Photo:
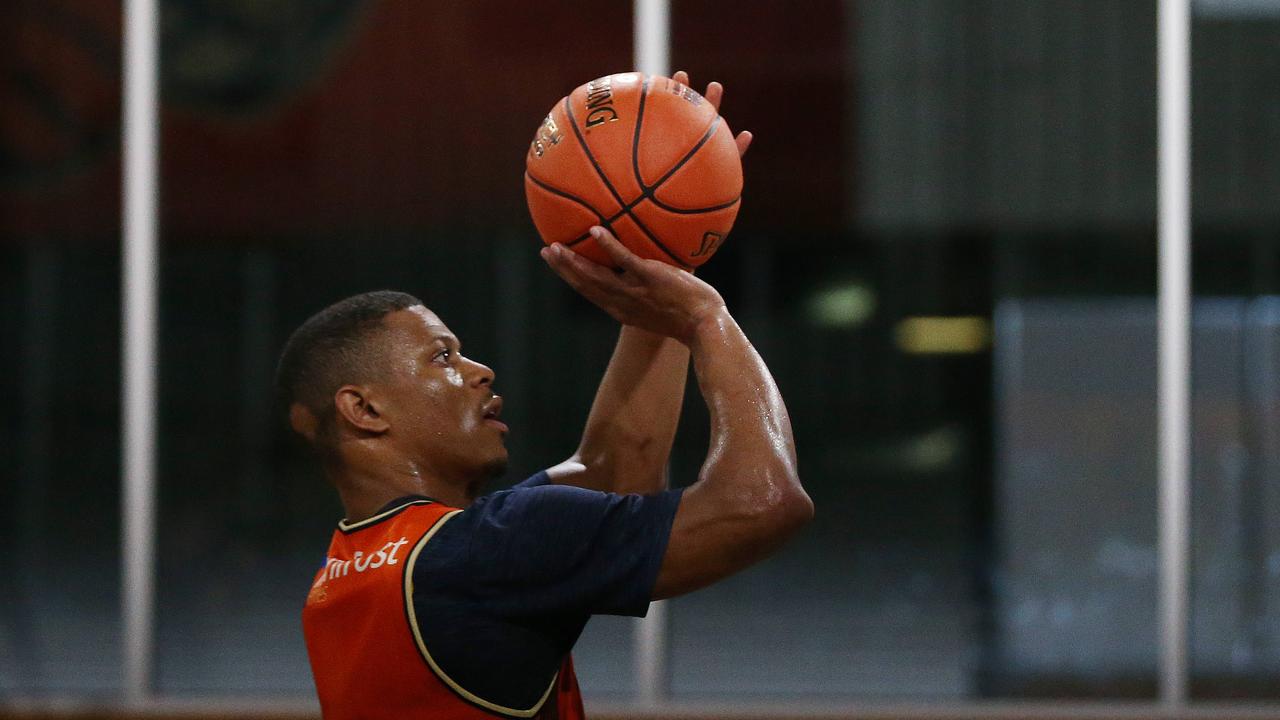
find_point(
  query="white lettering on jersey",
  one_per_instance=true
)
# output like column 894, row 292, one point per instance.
column 336, row 568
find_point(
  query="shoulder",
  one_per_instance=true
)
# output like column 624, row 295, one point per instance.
column 563, row 513
column 541, row 528
column 510, row 523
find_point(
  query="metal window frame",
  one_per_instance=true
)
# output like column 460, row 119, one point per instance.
column 651, row 46
column 139, row 329
column 1174, row 352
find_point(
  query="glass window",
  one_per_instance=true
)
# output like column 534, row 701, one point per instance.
column 1235, row 636
column 60, row 368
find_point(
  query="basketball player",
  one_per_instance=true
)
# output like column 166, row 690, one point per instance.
column 436, row 602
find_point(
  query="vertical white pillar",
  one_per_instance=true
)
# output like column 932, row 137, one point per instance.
column 652, row 48
column 138, row 339
column 650, row 657
column 1174, row 230
column 652, row 36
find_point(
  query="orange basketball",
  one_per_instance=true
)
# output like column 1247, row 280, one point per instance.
column 644, row 156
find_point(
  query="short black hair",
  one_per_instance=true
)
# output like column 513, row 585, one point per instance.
column 331, row 349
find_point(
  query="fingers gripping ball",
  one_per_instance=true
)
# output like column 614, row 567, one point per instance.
column 642, row 155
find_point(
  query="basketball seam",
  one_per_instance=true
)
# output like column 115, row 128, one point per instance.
column 573, row 123
column 568, row 196
column 646, row 190
column 710, row 132
column 655, row 241
column 695, row 211
column 682, row 211
column 627, row 212
column 635, row 141
column 606, row 222
column 557, row 191
column 650, row 191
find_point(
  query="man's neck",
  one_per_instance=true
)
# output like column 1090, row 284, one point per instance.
column 364, row 494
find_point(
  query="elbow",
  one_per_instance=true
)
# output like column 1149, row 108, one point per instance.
column 794, row 508
column 765, row 504
column 785, row 508
column 803, row 507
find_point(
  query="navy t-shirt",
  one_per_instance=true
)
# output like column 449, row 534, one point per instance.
column 505, row 587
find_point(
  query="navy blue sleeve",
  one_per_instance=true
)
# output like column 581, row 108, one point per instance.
column 545, row 549
column 539, row 478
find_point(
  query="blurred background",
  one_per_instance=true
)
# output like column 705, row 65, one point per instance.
column 946, row 253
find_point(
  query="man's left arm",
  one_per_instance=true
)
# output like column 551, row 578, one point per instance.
column 633, row 420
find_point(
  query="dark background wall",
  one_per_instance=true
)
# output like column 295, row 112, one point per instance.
column 913, row 158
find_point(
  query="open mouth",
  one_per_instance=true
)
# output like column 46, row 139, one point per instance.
column 494, row 408
column 492, row 411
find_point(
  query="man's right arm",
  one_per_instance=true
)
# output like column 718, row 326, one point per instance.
column 748, row 499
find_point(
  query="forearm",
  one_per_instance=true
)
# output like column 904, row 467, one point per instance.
column 752, row 455
column 748, row 499
column 628, row 436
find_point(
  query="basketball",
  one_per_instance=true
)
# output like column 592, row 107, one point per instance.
column 642, row 155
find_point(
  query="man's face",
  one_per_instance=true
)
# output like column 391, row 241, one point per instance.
column 440, row 404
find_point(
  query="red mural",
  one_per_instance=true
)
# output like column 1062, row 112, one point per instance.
column 59, row 119
column 396, row 114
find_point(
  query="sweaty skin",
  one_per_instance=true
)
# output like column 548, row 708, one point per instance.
column 748, row 499
column 419, row 427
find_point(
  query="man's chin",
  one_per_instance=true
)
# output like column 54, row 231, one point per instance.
column 491, row 471
column 496, row 468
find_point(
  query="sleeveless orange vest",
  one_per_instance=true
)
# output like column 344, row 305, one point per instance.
column 366, row 652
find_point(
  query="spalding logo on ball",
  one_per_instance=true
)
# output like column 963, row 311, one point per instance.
column 644, row 156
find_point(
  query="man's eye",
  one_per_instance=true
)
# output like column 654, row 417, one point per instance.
column 443, row 355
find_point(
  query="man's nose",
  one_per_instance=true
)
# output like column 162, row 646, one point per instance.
column 481, row 374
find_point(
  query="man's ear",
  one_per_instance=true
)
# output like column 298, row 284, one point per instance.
column 354, row 404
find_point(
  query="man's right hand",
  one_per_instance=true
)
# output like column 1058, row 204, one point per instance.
column 648, row 294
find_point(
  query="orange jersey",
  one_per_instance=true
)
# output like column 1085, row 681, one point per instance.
column 365, row 637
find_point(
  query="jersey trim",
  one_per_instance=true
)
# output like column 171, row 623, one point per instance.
column 347, row 527
column 412, row 615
